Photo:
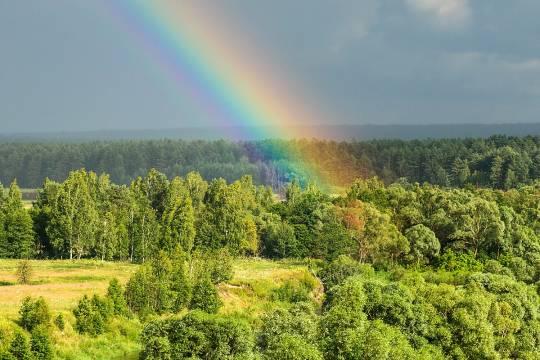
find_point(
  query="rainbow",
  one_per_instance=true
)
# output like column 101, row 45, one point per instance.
column 224, row 73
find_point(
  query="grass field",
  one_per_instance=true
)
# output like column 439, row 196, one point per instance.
column 62, row 283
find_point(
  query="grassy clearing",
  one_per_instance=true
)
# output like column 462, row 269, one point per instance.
column 62, row 283
column 250, row 291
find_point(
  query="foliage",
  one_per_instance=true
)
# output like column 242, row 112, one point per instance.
column 40, row 344
column 34, row 312
column 298, row 290
column 408, row 270
column 91, row 315
column 197, row 335
column 205, row 296
column 24, row 272
column 161, row 286
column 115, row 294
column 20, row 348
column 290, row 347
column 298, row 323
column 217, row 264
column 60, row 322
column 17, row 233
column 424, row 243
column 335, row 272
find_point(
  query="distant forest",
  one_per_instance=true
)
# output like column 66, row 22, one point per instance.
column 501, row 162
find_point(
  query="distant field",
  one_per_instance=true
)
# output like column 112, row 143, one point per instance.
column 60, row 282
column 63, row 282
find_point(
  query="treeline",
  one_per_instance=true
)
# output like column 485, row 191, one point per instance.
column 500, row 162
column 408, row 224
column 407, row 270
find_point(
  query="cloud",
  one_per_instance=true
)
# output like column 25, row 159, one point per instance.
column 445, row 14
column 356, row 20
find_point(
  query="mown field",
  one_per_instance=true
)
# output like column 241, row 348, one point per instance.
column 62, row 283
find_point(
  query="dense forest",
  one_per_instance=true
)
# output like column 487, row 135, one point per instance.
column 499, row 162
column 407, row 270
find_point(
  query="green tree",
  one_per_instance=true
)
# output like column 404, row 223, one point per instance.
column 24, row 272
column 423, row 242
column 18, row 227
column 197, row 188
column 197, row 335
column 180, row 284
column 74, row 217
column 460, row 171
column 19, row 348
column 479, row 226
column 34, row 312
column 107, row 237
column 291, row 347
column 205, row 296
column 144, row 222
column 115, row 294
column 278, row 240
column 496, row 172
column 88, row 317
column 178, row 220
column 40, row 344
column 224, row 222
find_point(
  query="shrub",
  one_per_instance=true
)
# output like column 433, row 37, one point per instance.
column 24, row 272
column 89, row 317
column 139, row 291
column 291, row 347
column 197, row 335
column 292, row 291
column 300, row 321
column 218, row 265
column 19, row 347
column 59, row 322
column 205, row 297
column 336, row 272
column 452, row 261
column 297, row 290
column 115, row 294
column 148, row 291
column 33, row 313
column 40, row 344
column 181, row 287
column 378, row 341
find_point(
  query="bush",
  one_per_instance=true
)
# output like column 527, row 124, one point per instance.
column 59, row 322
column 296, row 290
column 40, row 344
column 115, row 295
column 148, row 291
column 139, row 291
column 218, row 265
column 24, row 272
column 89, row 316
column 300, row 321
column 33, row 313
column 291, row 347
column 19, row 348
column 336, row 272
column 205, row 297
column 292, row 291
column 197, row 335
column 452, row 261
column 181, row 287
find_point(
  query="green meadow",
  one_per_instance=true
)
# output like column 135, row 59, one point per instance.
column 63, row 282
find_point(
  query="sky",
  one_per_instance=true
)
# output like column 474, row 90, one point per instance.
column 73, row 65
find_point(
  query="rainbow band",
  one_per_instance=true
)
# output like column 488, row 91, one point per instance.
column 203, row 53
